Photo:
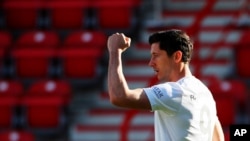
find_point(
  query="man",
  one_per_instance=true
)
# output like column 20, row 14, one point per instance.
column 184, row 107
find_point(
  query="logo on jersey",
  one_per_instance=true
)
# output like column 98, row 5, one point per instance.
column 192, row 97
column 157, row 92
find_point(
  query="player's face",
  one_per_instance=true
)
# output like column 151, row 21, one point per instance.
column 161, row 63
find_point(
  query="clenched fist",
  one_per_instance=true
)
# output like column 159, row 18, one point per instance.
column 118, row 41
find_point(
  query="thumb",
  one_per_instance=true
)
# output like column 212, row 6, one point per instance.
column 127, row 41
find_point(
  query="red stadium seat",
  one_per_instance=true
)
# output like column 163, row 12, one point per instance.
column 22, row 14
column 121, row 11
column 81, row 52
column 17, row 135
column 47, row 88
column 33, row 52
column 11, row 88
column 10, row 93
column 42, row 112
column 44, row 104
column 37, row 39
column 33, row 63
column 80, row 63
column 242, row 54
column 226, row 111
column 68, row 14
column 86, row 39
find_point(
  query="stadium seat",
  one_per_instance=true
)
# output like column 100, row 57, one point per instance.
column 81, row 53
column 122, row 12
column 10, row 94
column 68, row 14
column 17, row 135
column 86, row 39
column 226, row 112
column 37, row 39
column 44, row 104
column 22, row 14
column 51, row 87
column 242, row 54
column 42, row 113
column 230, row 97
column 80, row 63
column 33, row 53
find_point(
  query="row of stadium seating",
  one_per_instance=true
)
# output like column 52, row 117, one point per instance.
column 42, row 54
column 64, row 14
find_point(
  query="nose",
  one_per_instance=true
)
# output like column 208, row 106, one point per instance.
column 151, row 63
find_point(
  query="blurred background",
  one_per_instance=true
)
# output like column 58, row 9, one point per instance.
column 53, row 64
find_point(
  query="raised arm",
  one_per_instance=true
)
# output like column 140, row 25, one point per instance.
column 120, row 94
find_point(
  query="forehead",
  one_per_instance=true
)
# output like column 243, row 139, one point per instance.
column 155, row 47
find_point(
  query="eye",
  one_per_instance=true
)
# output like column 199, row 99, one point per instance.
column 155, row 55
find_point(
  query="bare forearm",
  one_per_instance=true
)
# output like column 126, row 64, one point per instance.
column 218, row 132
column 117, row 85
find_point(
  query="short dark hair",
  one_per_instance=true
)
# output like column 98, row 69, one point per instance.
column 173, row 40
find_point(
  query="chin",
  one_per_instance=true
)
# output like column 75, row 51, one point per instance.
column 160, row 79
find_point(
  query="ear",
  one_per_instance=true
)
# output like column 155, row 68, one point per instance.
column 177, row 56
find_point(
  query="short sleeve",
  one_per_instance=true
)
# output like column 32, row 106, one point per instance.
column 166, row 97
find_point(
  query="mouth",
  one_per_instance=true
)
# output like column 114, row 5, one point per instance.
column 156, row 71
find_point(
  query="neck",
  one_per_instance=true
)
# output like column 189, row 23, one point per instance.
column 183, row 71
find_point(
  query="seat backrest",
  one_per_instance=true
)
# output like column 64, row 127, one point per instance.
column 106, row 8
column 80, row 63
column 22, row 14
column 66, row 14
column 242, row 54
column 11, row 88
column 14, row 135
column 81, row 53
column 86, row 39
column 47, row 88
column 226, row 111
column 33, row 52
column 44, row 104
column 33, row 63
column 38, row 39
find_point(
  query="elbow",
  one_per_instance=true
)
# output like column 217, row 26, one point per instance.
column 116, row 101
column 113, row 101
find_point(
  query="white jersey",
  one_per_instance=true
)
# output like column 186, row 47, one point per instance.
column 184, row 110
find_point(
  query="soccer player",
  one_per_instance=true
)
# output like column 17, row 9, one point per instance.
column 184, row 108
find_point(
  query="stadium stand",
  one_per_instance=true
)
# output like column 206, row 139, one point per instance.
column 66, row 41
